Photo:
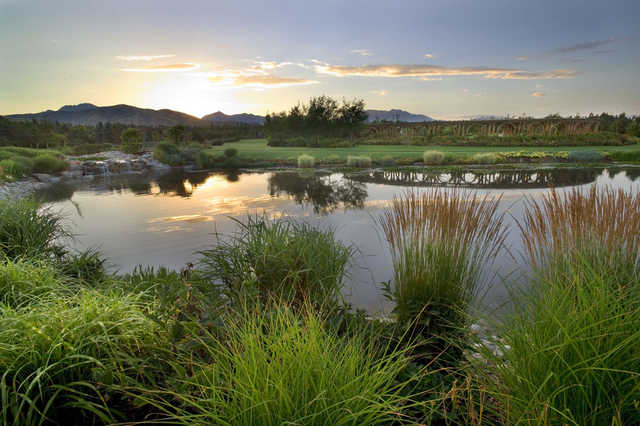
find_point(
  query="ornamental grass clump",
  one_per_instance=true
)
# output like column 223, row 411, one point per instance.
column 281, row 258
column 440, row 242
column 358, row 161
column 433, row 157
column 285, row 366
column 571, row 343
column 306, row 161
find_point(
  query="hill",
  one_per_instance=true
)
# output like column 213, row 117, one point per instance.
column 396, row 115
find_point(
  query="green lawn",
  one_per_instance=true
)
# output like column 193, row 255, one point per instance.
column 257, row 150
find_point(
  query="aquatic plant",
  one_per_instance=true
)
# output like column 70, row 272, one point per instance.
column 280, row 258
column 306, row 161
column 440, row 242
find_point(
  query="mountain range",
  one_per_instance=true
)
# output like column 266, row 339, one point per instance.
column 89, row 115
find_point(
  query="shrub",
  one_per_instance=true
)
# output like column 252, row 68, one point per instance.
column 485, row 158
column 27, row 231
column 168, row 153
column 230, row 152
column 306, row 161
column 282, row 259
column 205, row 160
column 57, row 357
column 278, row 367
column 586, row 156
column 358, row 161
column 132, row 139
column 440, row 242
column 48, row 163
column 433, row 157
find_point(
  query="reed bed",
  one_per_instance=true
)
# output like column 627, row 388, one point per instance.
column 440, row 242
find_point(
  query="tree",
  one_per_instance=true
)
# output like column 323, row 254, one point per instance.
column 132, row 140
column 176, row 134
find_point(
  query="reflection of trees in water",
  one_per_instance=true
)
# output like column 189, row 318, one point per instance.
column 324, row 193
column 632, row 174
column 483, row 178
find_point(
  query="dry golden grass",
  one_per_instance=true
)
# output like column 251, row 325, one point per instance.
column 600, row 221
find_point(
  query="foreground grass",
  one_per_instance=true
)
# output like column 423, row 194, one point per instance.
column 257, row 151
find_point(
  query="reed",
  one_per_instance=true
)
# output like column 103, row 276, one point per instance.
column 440, row 241
column 601, row 223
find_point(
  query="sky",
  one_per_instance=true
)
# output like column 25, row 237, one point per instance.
column 448, row 59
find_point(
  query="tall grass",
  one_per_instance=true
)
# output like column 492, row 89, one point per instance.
column 281, row 258
column 572, row 343
column 57, row 358
column 25, row 282
column 358, row 161
column 282, row 367
column 27, row 230
column 433, row 157
column 440, row 241
column 306, row 161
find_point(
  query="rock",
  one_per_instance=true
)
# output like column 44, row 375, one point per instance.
column 94, row 168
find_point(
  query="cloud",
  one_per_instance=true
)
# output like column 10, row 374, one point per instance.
column 538, row 94
column 430, row 71
column 187, row 66
column 428, row 56
column 379, row 92
column 272, row 65
column 521, row 58
column 258, row 81
column 144, row 57
column 587, row 45
column 361, row 52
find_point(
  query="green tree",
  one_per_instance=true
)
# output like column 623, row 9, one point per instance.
column 176, row 134
column 132, row 139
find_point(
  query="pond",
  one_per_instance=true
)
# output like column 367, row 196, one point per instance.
column 165, row 218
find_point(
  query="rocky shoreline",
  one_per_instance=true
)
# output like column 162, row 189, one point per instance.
column 80, row 167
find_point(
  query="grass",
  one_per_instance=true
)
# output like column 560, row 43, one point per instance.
column 358, row 161
column 281, row 367
column 18, row 162
column 27, row 231
column 433, row 157
column 281, row 258
column 256, row 152
column 306, row 161
column 440, row 241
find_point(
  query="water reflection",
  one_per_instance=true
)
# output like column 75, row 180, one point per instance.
column 324, row 192
column 490, row 179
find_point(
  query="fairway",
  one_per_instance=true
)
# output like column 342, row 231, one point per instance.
column 258, row 150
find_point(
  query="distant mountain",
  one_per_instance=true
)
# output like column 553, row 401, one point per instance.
column 89, row 114
column 396, row 115
column 222, row 118
column 483, row 117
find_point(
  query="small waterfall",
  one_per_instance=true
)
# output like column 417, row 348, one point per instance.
column 105, row 168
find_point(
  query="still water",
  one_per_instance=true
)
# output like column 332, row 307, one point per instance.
column 164, row 219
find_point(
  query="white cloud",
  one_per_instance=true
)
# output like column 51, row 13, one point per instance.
column 187, row 66
column 361, row 52
column 144, row 57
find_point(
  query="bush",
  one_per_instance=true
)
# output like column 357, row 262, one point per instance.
column 27, row 231
column 278, row 367
column 433, row 157
column 48, row 163
column 586, row 156
column 306, row 161
column 204, row 160
column 282, row 259
column 168, row 153
column 358, row 161
column 485, row 158
column 230, row 152
column 132, row 139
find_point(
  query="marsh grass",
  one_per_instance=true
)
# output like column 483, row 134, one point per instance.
column 25, row 282
column 283, row 366
column 358, row 161
column 280, row 258
column 440, row 241
column 28, row 231
column 433, row 157
column 306, row 161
